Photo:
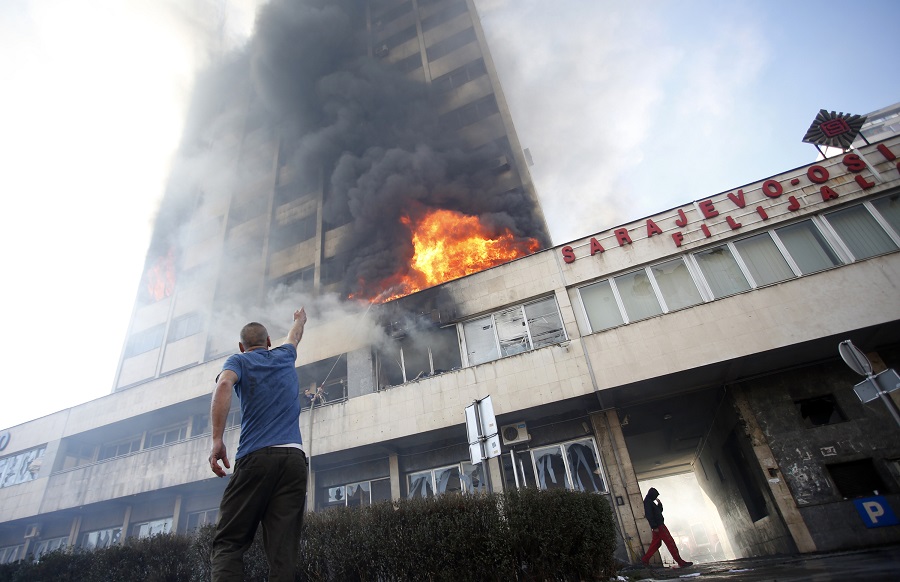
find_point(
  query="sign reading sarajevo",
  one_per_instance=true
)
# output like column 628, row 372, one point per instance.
column 818, row 175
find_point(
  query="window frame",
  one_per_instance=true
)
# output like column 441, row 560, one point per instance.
column 466, row 488
column 570, row 482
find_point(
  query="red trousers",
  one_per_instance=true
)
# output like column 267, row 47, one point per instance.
column 660, row 535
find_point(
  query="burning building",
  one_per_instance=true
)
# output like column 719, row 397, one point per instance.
column 701, row 340
column 361, row 149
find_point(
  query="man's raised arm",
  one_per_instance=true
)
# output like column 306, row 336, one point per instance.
column 296, row 334
column 218, row 415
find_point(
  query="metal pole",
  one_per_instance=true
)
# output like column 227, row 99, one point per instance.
column 891, row 406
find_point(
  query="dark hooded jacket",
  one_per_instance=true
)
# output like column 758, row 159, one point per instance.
column 653, row 508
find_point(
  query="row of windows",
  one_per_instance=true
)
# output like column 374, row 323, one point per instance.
column 855, row 233
column 573, row 465
column 21, row 467
column 450, row 44
column 459, row 77
column 470, row 113
column 151, row 339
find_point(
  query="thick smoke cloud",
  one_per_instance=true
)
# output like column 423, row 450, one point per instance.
column 310, row 86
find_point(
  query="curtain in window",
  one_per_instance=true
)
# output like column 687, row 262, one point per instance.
column 544, row 323
column 512, row 331
column 807, row 247
column 889, row 209
column 551, row 468
column 721, row 272
column 676, row 284
column 584, row 466
column 860, row 232
column 766, row 263
column 600, row 305
column 637, row 295
column 480, row 343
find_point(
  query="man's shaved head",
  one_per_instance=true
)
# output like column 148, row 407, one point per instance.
column 254, row 335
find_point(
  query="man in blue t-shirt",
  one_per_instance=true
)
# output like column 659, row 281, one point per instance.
column 268, row 485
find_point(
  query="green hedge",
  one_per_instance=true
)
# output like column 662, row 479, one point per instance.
column 520, row 535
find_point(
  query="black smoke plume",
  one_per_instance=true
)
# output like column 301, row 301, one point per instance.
column 342, row 118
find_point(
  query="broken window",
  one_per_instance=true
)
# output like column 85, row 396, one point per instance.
column 574, row 465
column 459, row 478
column 513, row 330
column 856, row 478
column 50, row 545
column 820, row 411
column 417, row 353
column 21, row 467
column 198, row 519
column 323, row 382
column 152, row 528
column 10, row 554
column 360, row 494
column 100, row 539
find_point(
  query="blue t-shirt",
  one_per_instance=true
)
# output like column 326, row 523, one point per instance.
column 270, row 397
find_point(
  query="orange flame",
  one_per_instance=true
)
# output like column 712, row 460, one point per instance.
column 160, row 278
column 448, row 245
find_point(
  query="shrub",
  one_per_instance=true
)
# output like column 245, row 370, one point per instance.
column 525, row 535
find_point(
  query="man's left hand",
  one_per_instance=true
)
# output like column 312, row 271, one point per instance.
column 219, row 453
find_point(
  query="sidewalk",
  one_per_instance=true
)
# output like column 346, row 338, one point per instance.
column 874, row 564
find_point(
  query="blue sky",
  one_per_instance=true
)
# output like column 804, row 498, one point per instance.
column 628, row 108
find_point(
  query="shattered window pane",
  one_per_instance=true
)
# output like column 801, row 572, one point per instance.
column 447, row 480
column 544, row 323
column 359, row 494
column 480, row 342
column 103, row 538
column 415, row 358
column 420, row 485
column 585, row 467
column 445, row 350
column 51, row 545
column 473, row 478
column 512, row 332
column 550, row 468
column 152, row 528
column 21, row 467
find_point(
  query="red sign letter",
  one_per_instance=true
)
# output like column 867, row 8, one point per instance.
column 817, row 174
column 762, row 213
column 772, row 188
column 733, row 223
column 863, row 183
column 568, row 254
column 652, row 228
column 622, row 236
column 854, row 163
column 705, row 230
column 827, row 193
column 681, row 221
column 794, row 203
column 738, row 199
column 596, row 247
column 677, row 237
column 707, row 208
column 888, row 154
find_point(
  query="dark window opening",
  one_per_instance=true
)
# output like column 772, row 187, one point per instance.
column 417, row 354
column 410, row 63
column 856, row 478
column 459, row 77
column 820, row 411
column 301, row 280
column 323, row 382
column 469, row 114
column 144, row 341
column 185, row 326
column 293, row 233
column 444, row 14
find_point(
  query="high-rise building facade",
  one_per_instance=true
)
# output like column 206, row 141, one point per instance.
column 302, row 157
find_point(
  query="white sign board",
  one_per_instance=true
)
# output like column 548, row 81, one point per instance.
column 481, row 428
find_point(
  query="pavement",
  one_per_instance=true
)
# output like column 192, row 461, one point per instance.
column 872, row 564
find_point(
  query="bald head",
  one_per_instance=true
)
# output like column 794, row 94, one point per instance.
column 254, row 335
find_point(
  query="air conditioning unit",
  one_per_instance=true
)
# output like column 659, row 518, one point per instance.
column 32, row 531
column 514, row 433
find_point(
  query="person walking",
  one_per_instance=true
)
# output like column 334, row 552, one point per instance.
column 268, row 485
column 653, row 511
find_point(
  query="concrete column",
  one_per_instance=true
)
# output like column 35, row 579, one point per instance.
column 495, row 474
column 395, row 476
column 74, row 531
column 176, row 514
column 787, row 506
column 622, row 482
column 125, row 525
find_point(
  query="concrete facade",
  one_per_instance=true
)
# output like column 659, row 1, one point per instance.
column 741, row 387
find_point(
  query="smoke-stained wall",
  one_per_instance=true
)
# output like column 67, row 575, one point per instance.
column 306, row 156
